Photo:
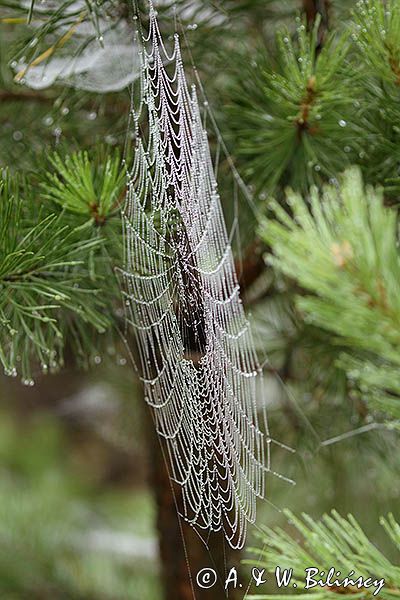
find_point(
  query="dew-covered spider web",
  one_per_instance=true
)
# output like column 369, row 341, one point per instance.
column 196, row 352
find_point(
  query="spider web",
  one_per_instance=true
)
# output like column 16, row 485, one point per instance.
column 197, row 358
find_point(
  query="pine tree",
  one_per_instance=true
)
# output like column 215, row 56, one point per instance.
column 307, row 97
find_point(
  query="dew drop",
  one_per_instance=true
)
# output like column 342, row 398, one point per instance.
column 342, row 123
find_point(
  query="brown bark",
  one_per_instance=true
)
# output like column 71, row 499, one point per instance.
column 312, row 8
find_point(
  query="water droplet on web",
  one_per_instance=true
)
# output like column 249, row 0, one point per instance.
column 48, row 120
column 64, row 110
column 18, row 135
column 192, row 26
column 97, row 360
column 317, row 168
column 33, row 42
column 92, row 116
column 342, row 123
column 347, row 149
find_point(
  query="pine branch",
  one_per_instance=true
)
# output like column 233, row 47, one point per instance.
column 295, row 123
column 52, row 273
column 330, row 542
column 343, row 252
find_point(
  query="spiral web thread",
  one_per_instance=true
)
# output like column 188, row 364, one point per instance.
column 197, row 358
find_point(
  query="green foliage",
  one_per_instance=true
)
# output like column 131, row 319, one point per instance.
column 330, row 542
column 299, row 126
column 86, row 187
column 301, row 113
column 51, row 274
column 344, row 251
column 50, row 513
column 43, row 283
column 376, row 33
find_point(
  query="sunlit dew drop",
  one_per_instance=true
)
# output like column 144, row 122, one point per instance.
column 317, row 168
column 17, row 136
column 286, row 40
column 64, row 110
column 28, row 382
column 342, row 123
column 92, row 116
column 193, row 26
column 122, row 361
column 300, row 60
column 57, row 131
column 97, row 360
column 48, row 120
column 347, row 149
